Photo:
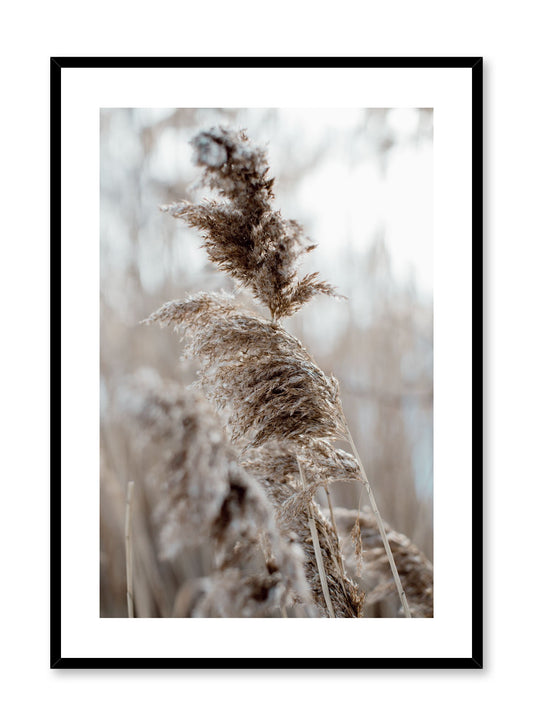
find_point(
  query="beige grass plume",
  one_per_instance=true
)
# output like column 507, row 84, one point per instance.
column 254, row 369
column 291, row 475
column 274, row 393
column 208, row 498
column 266, row 383
column 244, row 235
column 414, row 568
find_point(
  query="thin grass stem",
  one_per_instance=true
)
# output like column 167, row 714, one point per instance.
column 320, row 563
column 129, row 552
column 318, row 554
column 381, row 527
column 332, row 516
column 333, row 523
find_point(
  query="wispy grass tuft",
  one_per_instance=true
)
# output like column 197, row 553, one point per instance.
column 207, row 497
column 369, row 564
column 244, row 235
column 255, row 370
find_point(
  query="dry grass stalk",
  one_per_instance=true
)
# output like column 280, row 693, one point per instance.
column 262, row 378
column 414, row 568
column 318, row 552
column 129, row 551
column 331, row 512
column 244, row 235
column 320, row 564
column 207, row 497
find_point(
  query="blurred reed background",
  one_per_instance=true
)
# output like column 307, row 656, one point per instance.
column 360, row 183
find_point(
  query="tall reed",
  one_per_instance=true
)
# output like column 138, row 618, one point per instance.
column 284, row 414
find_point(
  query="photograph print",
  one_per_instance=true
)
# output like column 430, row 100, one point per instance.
column 266, row 363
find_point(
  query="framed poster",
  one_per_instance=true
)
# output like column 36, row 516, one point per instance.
column 307, row 449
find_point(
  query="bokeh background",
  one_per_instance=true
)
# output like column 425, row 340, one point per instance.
column 360, row 182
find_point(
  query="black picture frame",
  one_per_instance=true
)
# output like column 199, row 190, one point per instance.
column 57, row 660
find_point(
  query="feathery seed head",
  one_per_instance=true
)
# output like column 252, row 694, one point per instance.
column 206, row 497
column 257, row 371
column 244, row 236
